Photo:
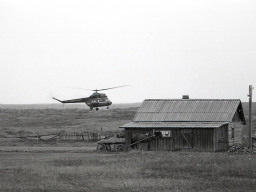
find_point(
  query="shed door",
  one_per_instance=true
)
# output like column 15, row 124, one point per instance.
column 183, row 139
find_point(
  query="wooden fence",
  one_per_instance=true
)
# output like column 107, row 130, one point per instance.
column 79, row 136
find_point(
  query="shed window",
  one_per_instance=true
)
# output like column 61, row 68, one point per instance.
column 166, row 133
column 163, row 133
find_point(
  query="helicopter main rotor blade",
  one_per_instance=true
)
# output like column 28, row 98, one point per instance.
column 79, row 88
column 110, row 88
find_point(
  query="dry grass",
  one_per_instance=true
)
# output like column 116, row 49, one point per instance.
column 33, row 120
column 132, row 171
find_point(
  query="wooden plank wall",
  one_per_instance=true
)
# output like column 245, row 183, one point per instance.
column 203, row 139
column 221, row 138
column 199, row 139
column 238, row 130
column 238, row 133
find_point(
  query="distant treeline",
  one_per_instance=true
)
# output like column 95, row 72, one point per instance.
column 66, row 106
column 246, row 108
column 83, row 106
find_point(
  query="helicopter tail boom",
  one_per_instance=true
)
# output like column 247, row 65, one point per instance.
column 80, row 100
column 57, row 100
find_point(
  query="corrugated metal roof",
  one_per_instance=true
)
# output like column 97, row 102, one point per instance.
column 192, row 110
column 173, row 125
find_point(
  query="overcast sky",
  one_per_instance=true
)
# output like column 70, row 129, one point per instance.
column 163, row 49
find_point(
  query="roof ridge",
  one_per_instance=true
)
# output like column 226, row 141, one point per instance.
column 192, row 100
column 173, row 122
column 137, row 121
column 182, row 112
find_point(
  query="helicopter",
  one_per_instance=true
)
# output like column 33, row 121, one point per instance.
column 95, row 100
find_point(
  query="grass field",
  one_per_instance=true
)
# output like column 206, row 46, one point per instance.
column 27, row 165
column 20, row 122
column 132, row 171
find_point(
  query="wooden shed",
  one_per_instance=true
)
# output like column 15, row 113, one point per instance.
column 188, row 124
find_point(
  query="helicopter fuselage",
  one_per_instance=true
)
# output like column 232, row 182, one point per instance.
column 98, row 100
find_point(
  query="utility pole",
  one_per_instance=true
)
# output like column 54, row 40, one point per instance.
column 250, row 118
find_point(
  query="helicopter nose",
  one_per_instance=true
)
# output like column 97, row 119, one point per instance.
column 109, row 103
